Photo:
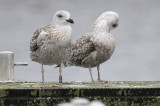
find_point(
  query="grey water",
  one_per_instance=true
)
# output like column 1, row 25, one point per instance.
column 137, row 53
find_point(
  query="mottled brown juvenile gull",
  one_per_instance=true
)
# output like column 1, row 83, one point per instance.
column 95, row 47
column 52, row 44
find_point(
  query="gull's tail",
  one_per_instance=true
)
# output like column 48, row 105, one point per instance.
column 64, row 64
column 58, row 65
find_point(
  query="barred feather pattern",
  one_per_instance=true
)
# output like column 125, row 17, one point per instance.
column 91, row 51
column 95, row 47
column 51, row 45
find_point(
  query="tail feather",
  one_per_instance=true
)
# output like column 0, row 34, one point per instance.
column 58, row 65
column 65, row 64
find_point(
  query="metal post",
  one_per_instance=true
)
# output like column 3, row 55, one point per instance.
column 7, row 66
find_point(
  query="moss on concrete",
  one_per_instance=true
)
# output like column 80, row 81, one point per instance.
column 3, row 93
column 45, row 92
column 2, row 103
column 34, row 92
column 112, row 93
column 53, row 85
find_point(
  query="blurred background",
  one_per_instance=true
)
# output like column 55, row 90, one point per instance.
column 137, row 53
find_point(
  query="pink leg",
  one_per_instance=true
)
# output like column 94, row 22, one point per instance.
column 60, row 78
column 99, row 79
column 42, row 71
column 98, row 73
column 90, row 70
column 60, row 75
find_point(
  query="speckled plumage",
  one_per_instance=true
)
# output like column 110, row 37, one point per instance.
column 96, row 47
column 52, row 44
column 91, row 51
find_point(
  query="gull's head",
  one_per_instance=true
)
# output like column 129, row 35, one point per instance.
column 65, row 104
column 108, row 20
column 112, row 19
column 96, row 103
column 80, row 102
column 62, row 18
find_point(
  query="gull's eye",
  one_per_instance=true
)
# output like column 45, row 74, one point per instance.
column 60, row 16
column 114, row 25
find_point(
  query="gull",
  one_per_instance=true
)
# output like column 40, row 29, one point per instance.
column 97, row 46
column 96, row 103
column 76, row 102
column 51, row 44
column 80, row 102
column 65, row 104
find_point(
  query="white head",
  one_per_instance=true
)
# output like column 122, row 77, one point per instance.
column 107, row 21
column 62, row 18
column 96, row 103
column 80, row 102
column 65, row 104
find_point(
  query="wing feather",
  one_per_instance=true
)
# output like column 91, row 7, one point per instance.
column 82, row 48
column 34, row 41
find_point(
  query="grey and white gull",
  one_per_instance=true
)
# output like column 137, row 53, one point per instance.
column 51, row 44
column 76, row 102
column 96, row 103
column 97, row 46
column 82, row 102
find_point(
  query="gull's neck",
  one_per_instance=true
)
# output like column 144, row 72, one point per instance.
column 100, row 26
column 59, row 24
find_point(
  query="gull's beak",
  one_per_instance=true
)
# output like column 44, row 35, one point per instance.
column 70, row 21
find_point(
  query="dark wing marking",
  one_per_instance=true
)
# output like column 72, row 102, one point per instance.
column 33, row 43
column 82, row 48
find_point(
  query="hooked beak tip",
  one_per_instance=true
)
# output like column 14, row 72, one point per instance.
column 70, row 21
